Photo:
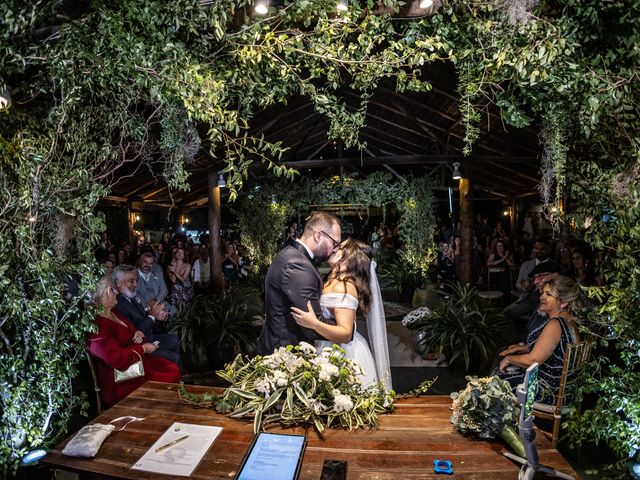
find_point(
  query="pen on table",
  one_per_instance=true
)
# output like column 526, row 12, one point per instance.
column 171, row 444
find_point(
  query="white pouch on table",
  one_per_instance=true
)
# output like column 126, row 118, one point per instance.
column 90, row 438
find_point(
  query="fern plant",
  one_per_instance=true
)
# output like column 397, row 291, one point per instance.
column 219, row 321
column 463, row 325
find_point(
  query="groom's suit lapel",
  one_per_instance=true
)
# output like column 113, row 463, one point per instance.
column 298, row 246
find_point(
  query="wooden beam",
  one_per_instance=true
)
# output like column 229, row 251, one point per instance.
column 394, row 160
column 140, row 187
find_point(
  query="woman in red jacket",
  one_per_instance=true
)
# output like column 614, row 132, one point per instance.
column 117, row 345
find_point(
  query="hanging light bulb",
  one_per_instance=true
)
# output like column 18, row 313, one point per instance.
column 273, row 199
column 262, row 7
column 342, row 5
column 221, row 181
column 456, row 171
column 426, row 3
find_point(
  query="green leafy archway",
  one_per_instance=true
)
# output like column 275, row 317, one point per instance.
column 262, row 214
column 107, row 85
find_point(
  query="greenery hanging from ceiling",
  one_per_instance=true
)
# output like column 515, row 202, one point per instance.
column 139, row 87
column 262, row 214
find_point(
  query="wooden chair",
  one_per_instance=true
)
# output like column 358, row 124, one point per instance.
column 96, row 384
column 575, row 357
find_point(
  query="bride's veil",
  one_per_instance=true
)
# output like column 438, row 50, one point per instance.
column 377, row 327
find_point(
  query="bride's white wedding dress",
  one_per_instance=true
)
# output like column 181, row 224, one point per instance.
column 357, row 349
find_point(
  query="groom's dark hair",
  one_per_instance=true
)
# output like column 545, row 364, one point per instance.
column 320, row 220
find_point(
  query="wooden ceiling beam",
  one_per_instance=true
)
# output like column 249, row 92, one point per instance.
column 397, row 160
column 388, row 91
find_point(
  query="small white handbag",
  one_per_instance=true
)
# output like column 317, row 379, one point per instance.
column 135, row 370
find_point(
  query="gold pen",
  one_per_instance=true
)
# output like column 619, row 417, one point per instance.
column 171, row 444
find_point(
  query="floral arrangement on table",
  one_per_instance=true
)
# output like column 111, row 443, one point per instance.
column 487, row 407
column 296, row 385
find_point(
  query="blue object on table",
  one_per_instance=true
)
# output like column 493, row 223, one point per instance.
column 443, row 466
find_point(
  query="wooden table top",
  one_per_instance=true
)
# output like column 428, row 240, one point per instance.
column 403, row 447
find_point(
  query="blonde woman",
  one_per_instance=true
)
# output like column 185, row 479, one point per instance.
column 118, row 344
column 547, row 340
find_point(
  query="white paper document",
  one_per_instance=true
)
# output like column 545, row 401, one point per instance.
column 179, row 450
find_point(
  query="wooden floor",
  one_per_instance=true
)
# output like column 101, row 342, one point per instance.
column 403, row 447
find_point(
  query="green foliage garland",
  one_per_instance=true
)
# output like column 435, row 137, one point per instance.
column 142, row 84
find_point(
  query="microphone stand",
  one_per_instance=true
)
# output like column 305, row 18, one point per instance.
column 530, row 465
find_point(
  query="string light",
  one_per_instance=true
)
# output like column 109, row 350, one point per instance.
column 426, row 3
column 262, row 7
column 342, row 5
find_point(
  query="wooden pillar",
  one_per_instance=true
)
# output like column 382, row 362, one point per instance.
column 213, row 214
column 513, row 219
column 130, row 221
column 465, row 269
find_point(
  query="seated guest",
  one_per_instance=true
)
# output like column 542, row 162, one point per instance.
column 541, row 252
column 201, row 272
column 529, row 300
column 151, row 285
column 149, row 322
column 547, row 340
column 118, row 344
column 582, row 270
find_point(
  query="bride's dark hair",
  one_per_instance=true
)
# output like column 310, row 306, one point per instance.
column 356, row 258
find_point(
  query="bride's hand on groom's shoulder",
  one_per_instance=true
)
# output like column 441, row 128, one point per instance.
column 303, row 318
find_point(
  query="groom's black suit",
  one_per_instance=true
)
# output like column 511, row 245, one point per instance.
column 292, row 280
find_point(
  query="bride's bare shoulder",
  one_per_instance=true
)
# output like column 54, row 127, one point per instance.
column 337, row 285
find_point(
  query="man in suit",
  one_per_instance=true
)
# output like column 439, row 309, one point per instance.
column 151, row 285
column 292, row 280
column 129, row 304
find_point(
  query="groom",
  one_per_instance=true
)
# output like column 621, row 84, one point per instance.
column 292, row 280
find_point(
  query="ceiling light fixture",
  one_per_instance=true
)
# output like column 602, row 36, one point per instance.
column 262, row 7
column 456, row 171
column 426, row 3
column 221, row 181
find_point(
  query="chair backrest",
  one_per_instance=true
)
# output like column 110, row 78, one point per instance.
column 96, row 384
column 575, row 358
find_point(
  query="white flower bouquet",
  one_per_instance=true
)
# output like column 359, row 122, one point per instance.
column 296, row 385
column 487, row 407
column 415, row 316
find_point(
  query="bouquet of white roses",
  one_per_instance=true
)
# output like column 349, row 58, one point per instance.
column 296, row 385
column 487, row 407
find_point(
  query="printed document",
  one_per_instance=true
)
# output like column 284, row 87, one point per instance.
column 179, row 450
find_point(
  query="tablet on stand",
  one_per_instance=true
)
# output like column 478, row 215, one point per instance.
column 526, row 393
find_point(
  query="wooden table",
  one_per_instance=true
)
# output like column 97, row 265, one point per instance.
column 403, row 447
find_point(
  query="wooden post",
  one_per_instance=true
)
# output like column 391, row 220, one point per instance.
column 213, row 214
column 130, row 220
column 513, row 219
column 465, row 266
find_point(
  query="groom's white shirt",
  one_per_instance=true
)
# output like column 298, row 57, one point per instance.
column 306, row 248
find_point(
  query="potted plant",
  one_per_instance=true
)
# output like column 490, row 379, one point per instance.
column 462, row 325
column 214, row 328
column 403, row 278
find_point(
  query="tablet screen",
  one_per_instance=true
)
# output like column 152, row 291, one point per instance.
column 531, row 388
column 273, row 456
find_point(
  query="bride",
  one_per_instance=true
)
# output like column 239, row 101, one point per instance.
column 352, row 284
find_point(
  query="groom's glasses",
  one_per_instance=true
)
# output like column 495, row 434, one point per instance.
column 335, row 244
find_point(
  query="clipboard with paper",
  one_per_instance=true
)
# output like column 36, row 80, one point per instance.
column 179, row 450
